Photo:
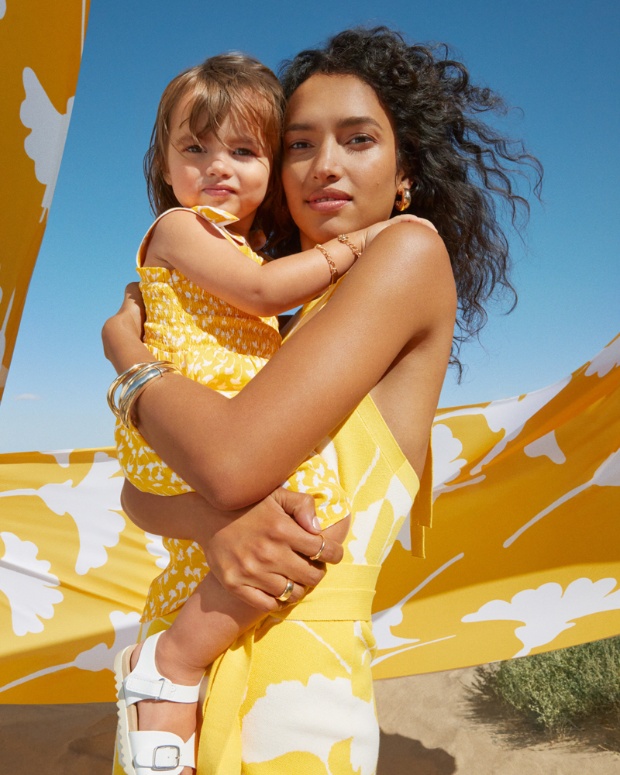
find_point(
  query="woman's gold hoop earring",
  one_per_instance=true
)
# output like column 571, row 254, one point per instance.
column 403, row 199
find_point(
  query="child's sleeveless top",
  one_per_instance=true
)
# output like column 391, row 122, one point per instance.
column 210, row 340
column 223, row 347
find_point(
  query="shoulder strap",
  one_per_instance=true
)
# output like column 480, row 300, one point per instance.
column 216, row 217
column 423, row 506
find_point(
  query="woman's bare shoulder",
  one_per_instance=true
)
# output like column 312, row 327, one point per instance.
column 418, row 294
column 411, row 250
column 407, row 268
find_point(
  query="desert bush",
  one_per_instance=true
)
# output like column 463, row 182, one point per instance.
column 556, row 691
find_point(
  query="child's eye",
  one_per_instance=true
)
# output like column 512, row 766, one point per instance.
column 244, row 152
column 194, row 148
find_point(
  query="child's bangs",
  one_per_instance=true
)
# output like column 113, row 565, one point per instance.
column 250, row 113
column 209, row 108
column 256, row 119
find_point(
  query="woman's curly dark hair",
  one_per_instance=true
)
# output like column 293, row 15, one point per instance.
column 461, row 168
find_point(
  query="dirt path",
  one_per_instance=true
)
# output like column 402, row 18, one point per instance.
column 429, row 727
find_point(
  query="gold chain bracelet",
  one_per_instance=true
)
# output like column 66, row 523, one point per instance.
column 344, row 238
column 333, row 269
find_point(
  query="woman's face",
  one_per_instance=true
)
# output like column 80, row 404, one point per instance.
column 339, row 168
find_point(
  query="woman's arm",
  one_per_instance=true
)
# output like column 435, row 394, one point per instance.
column 399, row 297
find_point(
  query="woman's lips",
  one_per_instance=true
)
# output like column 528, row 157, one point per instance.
column 328, row 200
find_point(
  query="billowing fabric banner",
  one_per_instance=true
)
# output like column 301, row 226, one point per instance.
column 524, row 553
column 522, row 557
column 40, row 50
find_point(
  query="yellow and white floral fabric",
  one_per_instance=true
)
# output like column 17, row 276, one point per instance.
column 522, row 558
column 40, row 50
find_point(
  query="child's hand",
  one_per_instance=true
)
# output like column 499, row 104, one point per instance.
column 257, row 239
column 123, row 332
column 367, row 235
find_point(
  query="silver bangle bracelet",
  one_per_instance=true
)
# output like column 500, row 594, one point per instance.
column 131, row 384
column 120, row 380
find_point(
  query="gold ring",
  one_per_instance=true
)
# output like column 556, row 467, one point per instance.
column 320, row 552
column 288, row 591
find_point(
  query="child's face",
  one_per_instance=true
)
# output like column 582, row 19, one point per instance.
column 231, row 172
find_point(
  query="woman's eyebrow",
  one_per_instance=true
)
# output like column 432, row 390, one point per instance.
column 357, row 120
column 344, row 123
column 298, row 127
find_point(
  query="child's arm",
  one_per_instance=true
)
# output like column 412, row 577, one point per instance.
column 187, row 242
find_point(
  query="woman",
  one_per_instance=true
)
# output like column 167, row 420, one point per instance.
column 372, row 124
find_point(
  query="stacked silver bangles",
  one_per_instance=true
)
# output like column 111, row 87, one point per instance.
column 131, row 383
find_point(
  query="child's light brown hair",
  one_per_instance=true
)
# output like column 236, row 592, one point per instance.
column 234, row 85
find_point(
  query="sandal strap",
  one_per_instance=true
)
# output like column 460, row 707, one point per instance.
column 161, row 752
column 145, row 682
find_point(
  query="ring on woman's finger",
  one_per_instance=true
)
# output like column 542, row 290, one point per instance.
column 288, row 591
column 317, row 556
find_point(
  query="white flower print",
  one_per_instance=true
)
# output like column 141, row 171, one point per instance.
column 295, row 708
column 549, row 610
column 101, row 657
column 606, row 360
column 606, row 475
column 93, row 504
column 447, row 465
column 28, row 585
column 45, row 144
column 509, row 415
column 546, row 446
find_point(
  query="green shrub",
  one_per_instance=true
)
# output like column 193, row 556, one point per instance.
column 556, row 691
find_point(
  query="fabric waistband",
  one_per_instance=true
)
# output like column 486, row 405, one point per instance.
column 345, row 594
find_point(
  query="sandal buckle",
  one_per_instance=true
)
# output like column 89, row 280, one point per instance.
column 166, row 758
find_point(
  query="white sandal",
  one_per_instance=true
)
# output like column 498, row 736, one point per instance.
column 143, row 752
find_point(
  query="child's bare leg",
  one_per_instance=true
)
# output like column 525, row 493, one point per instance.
column 205, row 627
column 208, row 623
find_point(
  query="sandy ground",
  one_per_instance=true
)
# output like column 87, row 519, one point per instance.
column 431, row 725
column 434, row 725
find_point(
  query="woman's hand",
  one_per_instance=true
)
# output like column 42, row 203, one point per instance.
column 252, row 551
column 254, row 555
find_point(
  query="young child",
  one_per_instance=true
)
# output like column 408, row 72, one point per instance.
column 212, row 177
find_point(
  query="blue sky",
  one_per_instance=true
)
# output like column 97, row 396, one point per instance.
column 557, row 61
